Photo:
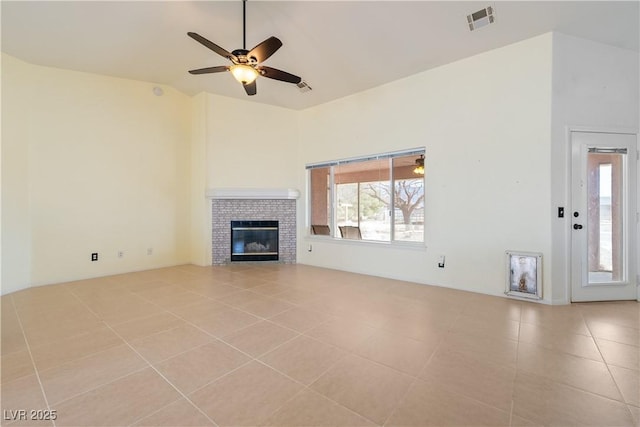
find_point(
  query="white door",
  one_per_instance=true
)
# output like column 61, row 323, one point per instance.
column 603, row 216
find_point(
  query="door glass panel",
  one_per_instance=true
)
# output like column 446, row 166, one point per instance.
column 605, row 217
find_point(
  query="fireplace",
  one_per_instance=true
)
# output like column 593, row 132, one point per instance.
column 254, row 241
column 251, row 204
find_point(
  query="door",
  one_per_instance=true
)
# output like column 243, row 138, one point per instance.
column 603, row 216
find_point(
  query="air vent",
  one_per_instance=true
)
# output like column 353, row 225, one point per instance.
column 481, row 18
column 304, row 87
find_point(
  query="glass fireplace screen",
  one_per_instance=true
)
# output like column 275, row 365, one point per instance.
column 254, row 240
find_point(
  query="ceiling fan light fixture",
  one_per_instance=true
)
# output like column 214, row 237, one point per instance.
column 419, row 169
column 244, row 74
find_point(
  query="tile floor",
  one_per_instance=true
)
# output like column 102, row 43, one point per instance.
column 296, row 345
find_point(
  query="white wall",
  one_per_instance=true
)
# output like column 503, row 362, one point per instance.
column 94, row 164
column 594, row 86
column 16, row 230
column 485, row 124
column 250, row 145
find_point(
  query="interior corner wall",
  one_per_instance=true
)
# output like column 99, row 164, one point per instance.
column 16, row 231
column 485, row 124
column 200, row 226
column 250, row 145
column 595, row 86
column 95, row 164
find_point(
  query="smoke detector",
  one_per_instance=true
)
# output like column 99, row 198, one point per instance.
column 481, row 18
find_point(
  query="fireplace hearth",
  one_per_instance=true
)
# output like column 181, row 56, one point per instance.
column 254, row 241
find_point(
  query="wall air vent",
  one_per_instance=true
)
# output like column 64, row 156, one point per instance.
column 481, row 18
column 304, row 87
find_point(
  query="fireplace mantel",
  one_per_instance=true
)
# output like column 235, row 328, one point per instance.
column 252, row 193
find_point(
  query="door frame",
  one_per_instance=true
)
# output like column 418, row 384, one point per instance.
column 569, row 198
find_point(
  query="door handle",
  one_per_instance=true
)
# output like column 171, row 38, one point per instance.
column 577, row 227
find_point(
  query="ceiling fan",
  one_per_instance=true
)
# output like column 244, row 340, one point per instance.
column 246, row 63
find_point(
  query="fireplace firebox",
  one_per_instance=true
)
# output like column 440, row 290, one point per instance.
column 254, row 240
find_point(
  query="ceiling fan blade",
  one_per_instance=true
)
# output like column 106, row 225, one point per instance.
column 211, row 45
column 218, row 69
column 251, row 88
column 276, row 74
column 265, row 49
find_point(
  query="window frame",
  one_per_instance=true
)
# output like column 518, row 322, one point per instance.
column 332, row 198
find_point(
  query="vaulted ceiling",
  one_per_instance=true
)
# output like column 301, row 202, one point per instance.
column 337, row 47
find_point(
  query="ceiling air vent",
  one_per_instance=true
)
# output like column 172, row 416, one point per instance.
column 304, row 86
column 481, row 18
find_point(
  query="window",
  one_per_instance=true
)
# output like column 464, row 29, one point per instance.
column 376, row 198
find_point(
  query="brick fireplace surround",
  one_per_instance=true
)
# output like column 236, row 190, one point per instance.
column 253, row 204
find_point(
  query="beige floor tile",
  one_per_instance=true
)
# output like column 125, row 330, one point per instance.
column 428, row 405
column 53, row 354
column 628, row 381
column 626, row 356
column 158, row 292
column 65, row 381
column 173, row 314
column 34, row 316
column 164, row 345
column 340, row 332
column 271, row 288
column 125, row 310
column 463, row 374
column 621, row 313
column 428, row 330
column 246, row 397
column 145, row 326
column 41, row 296
column 201, row 365
column 370, row 389
column 613, row 332
column 493, row 327
column 55, row 330
column 299, row 319
column 11, row 336
column 259, row 338
column 492, row 309
column 216, row 291
column 578, row 372
column 297, row 296
column 180, row 413
column 22, row 393
column 544, row 401
column 225, row 322
column 576, row 344
column 303, row 359
column 247, row 281
column 311, row 409
column 256, row 304
column 401, row 353
column 203, row 308
column 517, row 421
column 118, row 403
column 179, row 300
column 15, row 365
column 635, row 413
column 560, row 318
column 489, row 349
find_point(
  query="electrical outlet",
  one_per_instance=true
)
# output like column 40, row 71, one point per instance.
column 120, row 254
column 94, row 256
column 149, row 251
column 441, row 261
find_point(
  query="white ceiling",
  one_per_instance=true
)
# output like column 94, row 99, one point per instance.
column 338, row 47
